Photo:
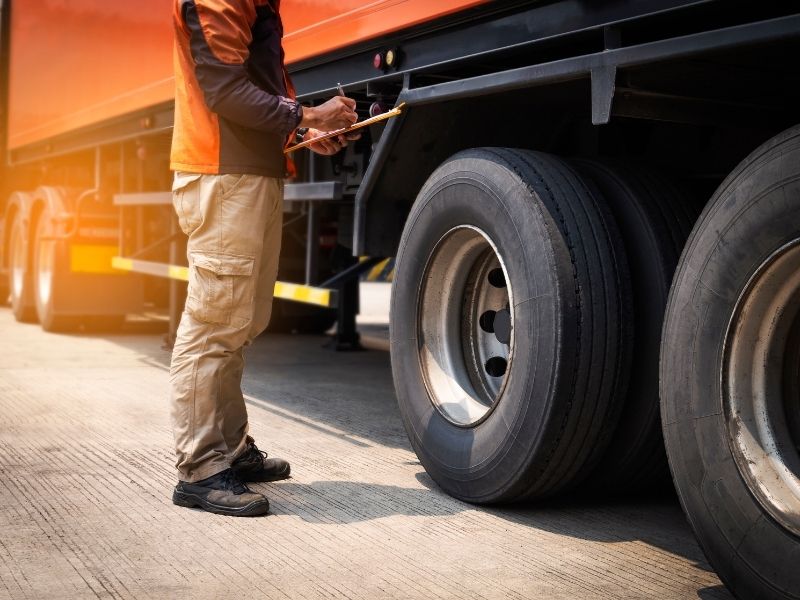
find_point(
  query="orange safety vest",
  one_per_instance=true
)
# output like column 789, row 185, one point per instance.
column 235, row 104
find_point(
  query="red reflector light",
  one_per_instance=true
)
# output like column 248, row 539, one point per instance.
column 376, row 109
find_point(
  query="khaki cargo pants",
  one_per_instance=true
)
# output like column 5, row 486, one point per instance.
column 234, row 228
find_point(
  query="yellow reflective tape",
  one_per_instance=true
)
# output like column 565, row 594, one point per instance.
column 287, row 291
column 389, row 270
column 123, row 264
column 302, row 293
column 377, row 270
column 86, row 258
column 179, row 273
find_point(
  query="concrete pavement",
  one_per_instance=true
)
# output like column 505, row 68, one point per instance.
column 86, row 476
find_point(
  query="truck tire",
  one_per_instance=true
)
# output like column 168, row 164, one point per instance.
column 20, row 282
column 67, row 297
column 654, row 219
column 508, row 342
column 730, row 383
column 49, row 263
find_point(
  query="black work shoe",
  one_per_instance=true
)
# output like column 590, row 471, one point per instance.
column 223, row 494
column 254, row 465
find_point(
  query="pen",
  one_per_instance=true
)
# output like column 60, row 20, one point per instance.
column 341, row 89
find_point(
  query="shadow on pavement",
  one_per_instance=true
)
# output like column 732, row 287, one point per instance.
column 658, row 523
column 714, row 592
column 351, row 396
column 354, row 502
column 656, row 520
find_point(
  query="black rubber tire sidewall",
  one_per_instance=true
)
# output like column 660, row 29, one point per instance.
column 48, row 314
column 22, row 307
column 755, row 212
column 521, row 231
column 654, row 220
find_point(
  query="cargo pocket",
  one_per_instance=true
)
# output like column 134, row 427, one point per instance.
column 186, row 200
column 221, row 289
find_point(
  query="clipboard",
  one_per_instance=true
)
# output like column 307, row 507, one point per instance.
column 366, row 122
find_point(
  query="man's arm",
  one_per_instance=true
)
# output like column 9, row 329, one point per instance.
column 220, row 35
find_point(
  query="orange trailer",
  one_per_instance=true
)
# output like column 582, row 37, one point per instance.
column 79, row 63
column 592, row 207
column 83, row 76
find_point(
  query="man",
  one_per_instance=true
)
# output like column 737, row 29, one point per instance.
column 234, row 111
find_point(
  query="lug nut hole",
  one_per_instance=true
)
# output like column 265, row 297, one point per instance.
column 497, row 278
column 496, row 366
column 486, row 321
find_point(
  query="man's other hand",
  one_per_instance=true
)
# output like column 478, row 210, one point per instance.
column 331, row 145
column 336, row 113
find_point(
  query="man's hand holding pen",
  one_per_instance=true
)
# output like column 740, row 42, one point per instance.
column 336, row 113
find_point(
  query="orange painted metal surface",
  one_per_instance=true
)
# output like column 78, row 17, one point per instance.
column 75, row 63
column 316, row 26
column 78, row 62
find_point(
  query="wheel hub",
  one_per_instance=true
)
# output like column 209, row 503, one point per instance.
column 760, row 383
column 465, row 326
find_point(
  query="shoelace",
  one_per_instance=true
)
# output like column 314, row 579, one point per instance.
column 231, row 482
column 254, row 455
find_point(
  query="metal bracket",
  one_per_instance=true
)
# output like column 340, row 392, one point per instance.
column 603, row 83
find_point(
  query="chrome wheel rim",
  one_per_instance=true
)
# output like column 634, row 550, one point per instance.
column 465, row 326
column 761, row 385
